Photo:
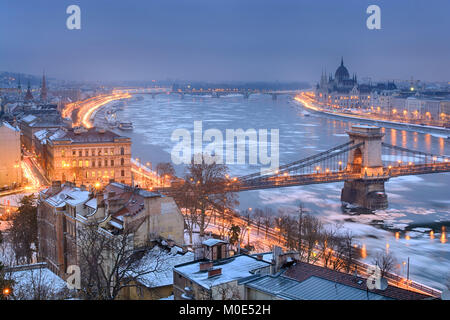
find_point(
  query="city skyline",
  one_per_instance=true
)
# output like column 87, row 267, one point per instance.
column 225, row 41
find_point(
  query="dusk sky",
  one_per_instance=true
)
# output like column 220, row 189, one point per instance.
column 216, row 40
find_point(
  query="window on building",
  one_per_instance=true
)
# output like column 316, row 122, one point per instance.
column 111, row 151
column 63, row 153
column 112, row 163
column 93, row 163
column 122, row 162
column 99, row 163
column 122, row 173
column 93, row 152
column 74, row 153
column 74, row 163
column 106, row 162
column 112, row 174
column 99, row 152
column 86, row 163
column 80, row 163
column 80, row 153
column 122, row 151
column 86, row 153
column 93, row 174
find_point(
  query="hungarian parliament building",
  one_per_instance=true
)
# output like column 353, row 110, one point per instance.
column 343, row 91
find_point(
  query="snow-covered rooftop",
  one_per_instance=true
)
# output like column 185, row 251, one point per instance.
column 28, row 281
column 7, row 125
column 72, row 196
column 92, row 203
column 212, row 242
column 233, row 268
column 162, row 262
column 29, row 118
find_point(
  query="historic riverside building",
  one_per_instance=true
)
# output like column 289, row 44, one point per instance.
column 64, row 210
column 88, row 156
column 343, row 91
column 10, row 156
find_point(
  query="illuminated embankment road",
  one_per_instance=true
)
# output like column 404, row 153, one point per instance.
column 87, row 108
column 308, row 101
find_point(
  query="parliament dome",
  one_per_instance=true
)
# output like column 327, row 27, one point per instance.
column 342, row 72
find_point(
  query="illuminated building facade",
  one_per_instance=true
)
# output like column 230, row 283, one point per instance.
column 10, row 156
column 90, row 157
column 344, row 92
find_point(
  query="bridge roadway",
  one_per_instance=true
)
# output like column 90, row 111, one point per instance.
column 282, row 181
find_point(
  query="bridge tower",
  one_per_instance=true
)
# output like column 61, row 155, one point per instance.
column 365, row 160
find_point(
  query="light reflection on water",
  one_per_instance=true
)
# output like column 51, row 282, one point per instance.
column 418, row 206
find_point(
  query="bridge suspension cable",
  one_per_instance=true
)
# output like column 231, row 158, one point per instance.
column 286, row 167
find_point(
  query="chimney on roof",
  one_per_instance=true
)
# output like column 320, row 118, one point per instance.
column 56, row 186
column 99, row 196
column 214, row 272
column 206, row 265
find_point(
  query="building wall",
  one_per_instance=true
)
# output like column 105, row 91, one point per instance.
column 50, row 236
column 10, row 156
column 180, row 282
column 140, row 292
column 253, row 294
column 90, row 163
column 162, row 218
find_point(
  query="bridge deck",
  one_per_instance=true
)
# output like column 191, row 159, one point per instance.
column 317, row 178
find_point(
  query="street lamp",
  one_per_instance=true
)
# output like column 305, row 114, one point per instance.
column 6, row 292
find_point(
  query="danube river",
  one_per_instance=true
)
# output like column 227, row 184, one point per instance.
column 417, row 204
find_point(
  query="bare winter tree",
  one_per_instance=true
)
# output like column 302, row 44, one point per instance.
column 267, row 220
column 205, row 186
column 109, row 263
column 258, row 216
column 312, row 231
column 37, row 284
column 385, row 261
column 165, row 169
column 224, row 223
column 349, row 257
column 189, row 208
column 328, row 243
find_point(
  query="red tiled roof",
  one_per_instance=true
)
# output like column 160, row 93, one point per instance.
column 132, row 201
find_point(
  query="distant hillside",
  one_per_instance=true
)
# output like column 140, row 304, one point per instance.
column 11, row 79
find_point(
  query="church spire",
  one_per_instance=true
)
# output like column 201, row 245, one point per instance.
column 29, row 96
column 342, row 61
column 43, row 88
